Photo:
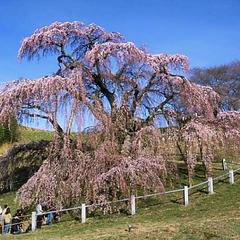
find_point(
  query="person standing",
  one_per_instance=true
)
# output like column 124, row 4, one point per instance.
column 50, row 214
column 16, row 225
column 7, row 218
column 1, row 220
column 3, row 212
column 39, row 212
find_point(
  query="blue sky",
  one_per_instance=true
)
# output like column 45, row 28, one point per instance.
column 207, row 31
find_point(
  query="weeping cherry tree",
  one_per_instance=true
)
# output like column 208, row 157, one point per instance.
column 128, row 91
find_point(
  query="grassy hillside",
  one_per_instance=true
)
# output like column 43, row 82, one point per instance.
column 27, row 135
column 32, row 134
column 207, row 217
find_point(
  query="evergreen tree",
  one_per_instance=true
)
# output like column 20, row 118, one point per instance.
column 9, row 131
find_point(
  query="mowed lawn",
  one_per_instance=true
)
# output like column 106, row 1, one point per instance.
column 214, row 216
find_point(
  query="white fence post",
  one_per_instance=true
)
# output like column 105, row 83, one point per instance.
column 185, row 195
column 34, row 221
column 83, row 211
column 133, row 205
column 224, row 164
column 231, row 177
column 210, row 185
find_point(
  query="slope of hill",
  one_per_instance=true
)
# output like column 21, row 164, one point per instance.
column 207, row 217
column 27, row 135
column 19, row 160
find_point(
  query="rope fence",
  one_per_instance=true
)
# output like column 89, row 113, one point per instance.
column 30, row 221
column 198, row 185
column 209, row 184
column 22, row 222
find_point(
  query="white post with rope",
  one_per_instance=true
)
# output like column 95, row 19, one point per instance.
column 224, row 164
column 133, row 205
column 34, row 221
column 231, row 177
column 83, row 212
column 210, row 185
column 185, row 195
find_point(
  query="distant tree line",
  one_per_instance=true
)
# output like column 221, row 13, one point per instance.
column 225, row 80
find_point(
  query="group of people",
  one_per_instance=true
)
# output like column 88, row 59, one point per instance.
column 46, row 215
column 9, row 223
column 14, row 224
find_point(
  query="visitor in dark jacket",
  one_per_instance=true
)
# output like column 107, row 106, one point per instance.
column 16, row 225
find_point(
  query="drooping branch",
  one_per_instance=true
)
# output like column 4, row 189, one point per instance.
column 55, row 125
column 71, row 117
column 126, row 89
column 110, row 66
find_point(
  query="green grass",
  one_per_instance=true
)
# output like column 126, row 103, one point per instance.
column 31, row 134
column 27, row 135
column 5, row 147
column 9, row 198
column 207, row 217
